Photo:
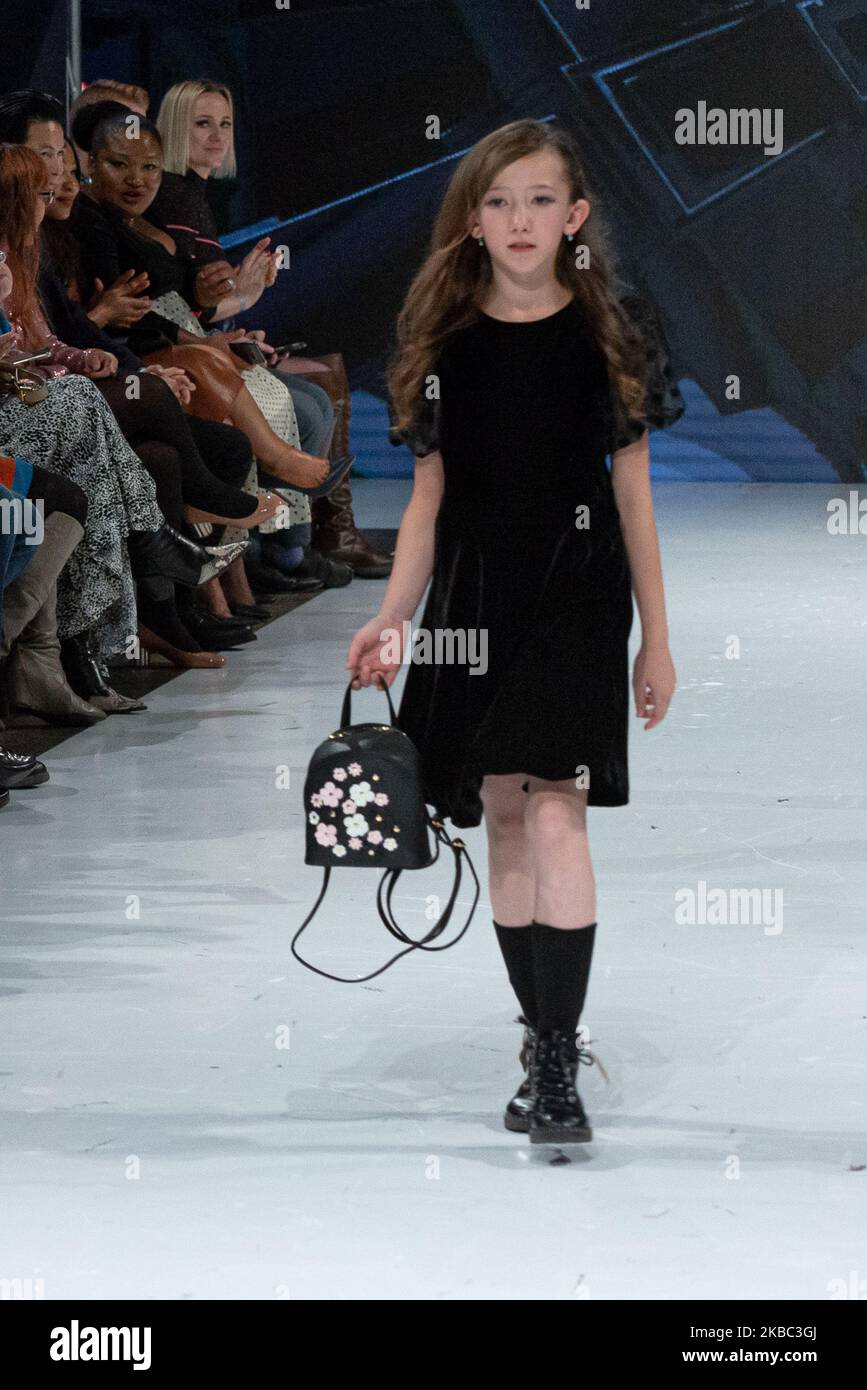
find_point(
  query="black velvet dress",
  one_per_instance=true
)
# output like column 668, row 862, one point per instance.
column 530, row 553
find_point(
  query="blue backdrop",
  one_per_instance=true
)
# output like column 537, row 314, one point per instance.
column 757, row 261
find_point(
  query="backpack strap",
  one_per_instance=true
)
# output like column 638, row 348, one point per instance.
column 391, row 876
column 384, row 908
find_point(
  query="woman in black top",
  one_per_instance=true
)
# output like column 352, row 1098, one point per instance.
column 116, row 236
column 196, row 120
column 214, row 488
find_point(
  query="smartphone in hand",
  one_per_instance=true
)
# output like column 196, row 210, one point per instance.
column 285, row 349
column 250, row 352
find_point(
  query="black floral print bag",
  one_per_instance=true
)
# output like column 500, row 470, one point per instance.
column 364, row 806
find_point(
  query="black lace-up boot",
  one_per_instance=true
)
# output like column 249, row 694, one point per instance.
column 516, row 1115
column 556, row 1115
column 20, row 770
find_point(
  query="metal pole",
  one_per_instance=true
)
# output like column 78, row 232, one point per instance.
column 73, row 51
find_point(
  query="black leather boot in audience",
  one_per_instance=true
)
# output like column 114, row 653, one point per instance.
column 164, row 631
column 217, row 634
column 167, row 553
column 264, row 579
column 81, row 667
column 20, row 770
column 88, row 678
column 251, row 612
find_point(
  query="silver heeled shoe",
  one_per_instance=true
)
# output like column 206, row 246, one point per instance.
column 222, row 556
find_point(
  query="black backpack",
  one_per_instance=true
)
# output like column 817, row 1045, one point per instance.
column 365, row 808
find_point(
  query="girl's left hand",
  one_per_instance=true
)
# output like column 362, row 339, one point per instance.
column 654, row 682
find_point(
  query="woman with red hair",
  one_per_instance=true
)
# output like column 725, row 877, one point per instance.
column 72, row 432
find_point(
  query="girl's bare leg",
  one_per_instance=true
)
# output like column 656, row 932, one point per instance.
column 510, row 862
column 556, row 820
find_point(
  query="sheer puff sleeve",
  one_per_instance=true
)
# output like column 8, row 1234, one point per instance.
column 422, row 435
column 664, row 404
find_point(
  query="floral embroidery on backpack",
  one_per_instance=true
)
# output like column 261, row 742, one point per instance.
column 345, row 816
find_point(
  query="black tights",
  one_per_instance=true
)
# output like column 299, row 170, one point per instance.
column 58, row 494
column 170, row 444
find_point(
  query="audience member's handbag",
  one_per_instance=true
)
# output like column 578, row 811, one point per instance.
column 18, row 377
column 365, row 808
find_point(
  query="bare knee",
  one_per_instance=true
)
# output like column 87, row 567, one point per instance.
column 503, row 803
column 556, row 809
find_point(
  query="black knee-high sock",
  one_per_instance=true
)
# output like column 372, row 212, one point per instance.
column 516, row 944
column 562, row 966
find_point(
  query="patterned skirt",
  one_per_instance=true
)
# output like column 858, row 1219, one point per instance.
column 73, row 433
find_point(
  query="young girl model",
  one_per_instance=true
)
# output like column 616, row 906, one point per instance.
column 517, row 371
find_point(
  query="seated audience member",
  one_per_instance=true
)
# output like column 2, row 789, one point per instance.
column 73, row 432
column 157, row 557
column 154, row 423
column 104, row 89
column 166, row 441
column 116, row 236
column 196, row 120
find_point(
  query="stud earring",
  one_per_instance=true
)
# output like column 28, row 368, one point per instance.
column 570, row 236
column 481, row 240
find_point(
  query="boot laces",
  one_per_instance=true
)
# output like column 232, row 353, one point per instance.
column 557, row 1069
column 588, row 1058
column 581, row 1053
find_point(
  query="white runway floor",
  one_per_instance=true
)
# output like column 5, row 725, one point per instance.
column 157, row 1143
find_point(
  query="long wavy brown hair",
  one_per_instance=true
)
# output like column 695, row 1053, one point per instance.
column 22, row 178
column 446, row 292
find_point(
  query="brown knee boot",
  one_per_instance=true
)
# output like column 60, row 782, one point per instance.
column 334, row 532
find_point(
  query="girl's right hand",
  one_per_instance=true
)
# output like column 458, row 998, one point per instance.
column 376, row 650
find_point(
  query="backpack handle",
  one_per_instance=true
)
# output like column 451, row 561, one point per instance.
column 346, row 711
